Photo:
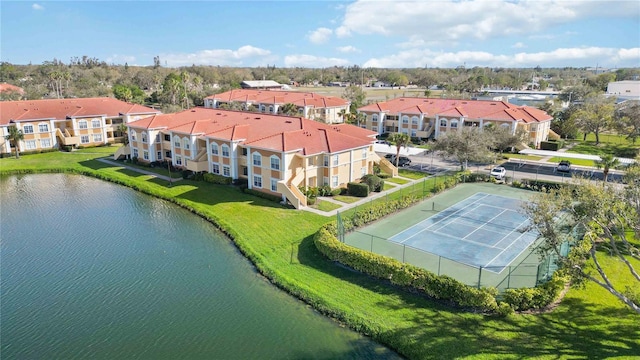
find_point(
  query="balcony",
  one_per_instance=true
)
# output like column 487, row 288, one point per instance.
column 198, row 166
column 66, row 139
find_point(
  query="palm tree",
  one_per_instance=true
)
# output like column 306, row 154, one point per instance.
column 15, row 136
column 125, row 136
column 606, row 163
column 288, row 109
column 399, row 140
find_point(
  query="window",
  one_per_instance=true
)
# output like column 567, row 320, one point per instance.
column 271, row 109
column 30, row 144
column 405, row 131
column 27, row 129
column 414, row 120
column 257, row 159
column 82, row 124
column 312, row 161
column 365, row 152
column 95, row 123
column 454, row 123
column 374, row 118
column 214, row 149
column 443, row 122
column 216, row 169
column 245, row 170
column 186, row 143
column 262, row 107
column 505, row 125
column 97, row 137
column 226, row 170
column 167, row 154
column 167, row 137
column 178, row 160
column 225, row 150
column 244, row 151
column 257, row 181
column 334, row 160
column 133, row 135
column 275, row 162
column 374, row 128
column 43, row 128
column 325, row 181
column 274, row 185
column 405, row 119
column 363, row 171
column 135, row 153
column 334, row 181
column 45, row 143
column 414, row 133
column 326, row 160
column 144, row 137
column 145, row 155
column 159, row 155
column 158, row 137
column 176, row 141
column 84, row 139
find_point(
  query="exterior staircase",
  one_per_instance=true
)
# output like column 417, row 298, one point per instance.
column 122, row 151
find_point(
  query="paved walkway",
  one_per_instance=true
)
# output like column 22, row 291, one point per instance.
column 347, row 206
column 138, row 170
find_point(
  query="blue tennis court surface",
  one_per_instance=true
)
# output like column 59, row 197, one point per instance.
column 483, row 231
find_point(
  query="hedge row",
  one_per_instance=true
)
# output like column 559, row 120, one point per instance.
column 358, row 189
column 217, row 179
column 260, row 194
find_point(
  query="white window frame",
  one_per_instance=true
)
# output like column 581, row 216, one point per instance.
column 83, row 124
column 405, row 119
column 159, row 155
column 276, row 163
column 325, row 160
column 374, row 128
column 215, row 168
column 443, row 123
column 45, row 143
column 225, row 150
column 365, row 153
column 145, row 155
column 178, row 160
column 176, row 141
column 27, row 129
column 271, row 108
column 30, row 145
column 215, row 149
column 335, row 160
column 453, row 124
column 133, row 135
column 274, row 185
column 374, row 118
column 414, row 133
column 334, row 181
column 256, row 159
column 42, row 126
column 144, row 137
column 187, row 143
column 257, row 181
column 226, row 170
column 135, row 153
column 82, row 139
column 95, row 123
column 414, row 120
column 97, row 137
column 363, row 171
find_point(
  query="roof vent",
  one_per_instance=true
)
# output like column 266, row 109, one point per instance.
column 218, row 113
column 257, row 118
column 193, row 111
column 288, row 121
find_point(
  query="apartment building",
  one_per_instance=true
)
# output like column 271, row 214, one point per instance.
column 429, row 118
column 52, row 123
column 326, row 109
column 275, row 154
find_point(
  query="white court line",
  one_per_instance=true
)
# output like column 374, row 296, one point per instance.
column 485, row 223
column 512, row 231
column 460, row 239
column 505, row 249
column 438, row 222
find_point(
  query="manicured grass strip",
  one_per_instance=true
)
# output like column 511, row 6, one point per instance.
column 522, row 157
column 589, row 323
column 396, row 180
column 347, row 199
column 581, row 162
column 387, row 186
column 410, row 174
column 326, row 206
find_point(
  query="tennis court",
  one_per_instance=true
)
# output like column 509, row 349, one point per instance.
column 483, row 230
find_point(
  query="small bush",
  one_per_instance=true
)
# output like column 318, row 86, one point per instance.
column 134, row 160
column 358, row 189
column 374, row 182
column 311, row 200
column 217, row 179
column 241, row 182
column 336, row 191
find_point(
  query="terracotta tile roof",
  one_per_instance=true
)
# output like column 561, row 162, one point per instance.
column 471, row 109
column 60, row 109
column 265, row 131
column 280, row 98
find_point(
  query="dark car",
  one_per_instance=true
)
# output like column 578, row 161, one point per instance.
column 389, row 156
column 564, row 166
column 403, row 161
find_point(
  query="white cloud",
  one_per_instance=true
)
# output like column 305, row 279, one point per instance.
column 312, row 61
column 579, row 56
column 445, row 21
column 37, row 7
column 347, row 49
column 518, row 45
column 245, row 56
column 320, row 35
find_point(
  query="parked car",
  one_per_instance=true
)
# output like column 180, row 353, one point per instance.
column 564, row 166
column 499, row 172
column 389, row 156
column 403, row 161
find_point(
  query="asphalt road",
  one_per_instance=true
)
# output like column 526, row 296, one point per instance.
column 515, row 169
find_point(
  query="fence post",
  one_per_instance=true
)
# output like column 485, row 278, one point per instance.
column 479, row 276
column 404, row 248
column 371, row 243
column 439, row 261
column 509, row 278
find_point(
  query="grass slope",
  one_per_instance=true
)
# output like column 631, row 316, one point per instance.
column 589, row 323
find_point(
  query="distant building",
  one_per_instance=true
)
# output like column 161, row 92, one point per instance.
column 310, row 105
column 430, row 118
column 48, row 124
column 624, row 90
column 260, row 84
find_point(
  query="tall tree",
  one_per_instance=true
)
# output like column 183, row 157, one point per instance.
column 609, row 216
column 399, row 140
column 606, row 163
column 355, row 95
column 466, row 144
column 288, row 109
column 595, row 115
column 15, row 136
column 628, row 121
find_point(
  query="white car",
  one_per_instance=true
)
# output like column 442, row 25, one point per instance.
column 498, row 172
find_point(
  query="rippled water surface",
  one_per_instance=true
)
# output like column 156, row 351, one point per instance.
column 94, row 270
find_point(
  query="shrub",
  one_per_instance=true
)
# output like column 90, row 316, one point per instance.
column 311, row 200
column 358, row 189
column 535, row 298
column 134, row 160
column 551, row 145
column 336, row 191
column 324, row 190
column 260, row 194
column 374, row 182
column 217, row 179
column 241, row 182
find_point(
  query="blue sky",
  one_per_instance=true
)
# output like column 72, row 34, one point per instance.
column 317, row 34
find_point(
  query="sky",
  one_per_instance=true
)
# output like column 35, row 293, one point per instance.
column 318, row 34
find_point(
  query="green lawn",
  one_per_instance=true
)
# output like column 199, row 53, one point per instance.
column 581, row 162
column 615, row 145
column 589, row 323
column 387, row 186
column 347, row 199
column 410, row 174
column 522, row 157
column 396, row 180
column 326, row 205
